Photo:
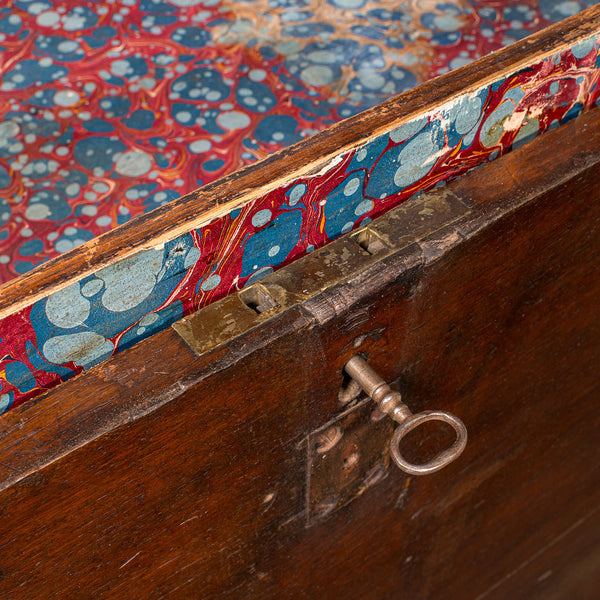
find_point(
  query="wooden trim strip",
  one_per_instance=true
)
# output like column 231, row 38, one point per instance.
column 78, row 309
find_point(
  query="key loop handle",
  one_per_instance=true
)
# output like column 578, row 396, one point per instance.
column 443, row 458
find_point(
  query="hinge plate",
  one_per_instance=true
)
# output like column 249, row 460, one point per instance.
column 234, row 315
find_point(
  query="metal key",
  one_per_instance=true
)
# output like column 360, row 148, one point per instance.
column 390, row 403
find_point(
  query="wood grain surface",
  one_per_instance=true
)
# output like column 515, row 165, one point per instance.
column 163, row 474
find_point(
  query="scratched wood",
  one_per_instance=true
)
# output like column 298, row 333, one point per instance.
column 185, row 478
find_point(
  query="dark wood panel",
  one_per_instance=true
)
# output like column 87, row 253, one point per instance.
column 184, row 476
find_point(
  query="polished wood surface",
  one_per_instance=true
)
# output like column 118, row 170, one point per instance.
column 162, row 474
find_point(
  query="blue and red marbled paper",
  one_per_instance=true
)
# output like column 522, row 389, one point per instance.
column 109, row 109
column 112, row 109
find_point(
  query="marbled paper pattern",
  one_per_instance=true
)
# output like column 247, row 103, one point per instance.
column 142, row 103
column 109, row 109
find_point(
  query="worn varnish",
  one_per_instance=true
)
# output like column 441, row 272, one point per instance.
column 185, row 477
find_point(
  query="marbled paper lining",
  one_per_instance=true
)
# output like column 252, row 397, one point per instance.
column 110, row 109
column 118, row 128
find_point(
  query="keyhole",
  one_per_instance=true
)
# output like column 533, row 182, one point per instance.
column 349, row 390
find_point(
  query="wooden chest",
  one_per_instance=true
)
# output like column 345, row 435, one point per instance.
column 230, row 455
